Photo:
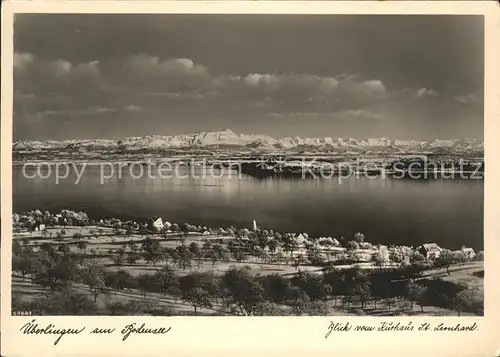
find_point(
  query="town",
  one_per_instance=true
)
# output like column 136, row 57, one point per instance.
column 68, row 263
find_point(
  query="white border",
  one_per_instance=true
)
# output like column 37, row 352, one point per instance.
column 265, row 335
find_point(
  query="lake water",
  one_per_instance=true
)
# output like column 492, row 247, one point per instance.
column 387, row 211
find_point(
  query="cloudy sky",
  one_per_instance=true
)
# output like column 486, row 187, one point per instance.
column 114, row 76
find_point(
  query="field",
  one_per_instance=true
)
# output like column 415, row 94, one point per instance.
column 101, row 245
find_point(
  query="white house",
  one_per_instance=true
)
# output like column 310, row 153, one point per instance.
column 469, row 252
column 430, row 250
column 157, row 223
column 300, row 239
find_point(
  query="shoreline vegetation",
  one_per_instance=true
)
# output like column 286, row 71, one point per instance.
column 413, row 168
column 69, row 264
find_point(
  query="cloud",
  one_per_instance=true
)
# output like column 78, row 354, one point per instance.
column 41, row 76
column 132, row 108
column 471, row 98
column 349, row 114
column 153, row 75
column 360, row 114
column 80, row 112
column 305, row 82
column 22, row 60
column 148, row 71
column 65, row 88
column 370, row 89
column 421, row 92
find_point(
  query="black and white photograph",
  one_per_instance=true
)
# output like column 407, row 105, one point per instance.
column 248, row 165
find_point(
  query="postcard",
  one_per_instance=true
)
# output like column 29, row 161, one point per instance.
column 250, row 178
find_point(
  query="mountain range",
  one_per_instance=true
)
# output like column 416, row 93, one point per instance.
column 227, row 139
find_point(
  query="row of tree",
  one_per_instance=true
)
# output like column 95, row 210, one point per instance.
column 238, row 290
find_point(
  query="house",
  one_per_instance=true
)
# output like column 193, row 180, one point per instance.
column 469, row 252
column 41, row 227
column 300, row 240
column 430, row 250
column 156, row 223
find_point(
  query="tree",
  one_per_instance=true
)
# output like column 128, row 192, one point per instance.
column 166, row 280
column 221, row 252
column 184, row 256
column 357, row 283
column 93, row 275
column 197, row 297
column 81, row 246
column 111, row 280
column 352, row 245
column 240, row 255
column 359, row 237
column 153, row 250
column 143, row 229
column 412, row 271
column 273, row 245
column 311, row 283
column 22, row 264
column 267, row 308
column 315, row 257
column 415, row 293
column 185, row 229
column 133, row 248
column 276, row 288
column 46, row 247
column 195, row 250
column 417, row 257
column 327, row 291
column 300, row 301
column 119, row 257
column 65, row 302
column 380, row 259
column 363, row 290
column 242, row 289
column 464, row 300
column 335, row 279
column 207, row 246
column 77, row 236
column 175, row 228
column 54, row 270
column 132, row 257
column 145, row 283
column 17, row 249
column 64, row 249
column 212, row 255
column 446, row 259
